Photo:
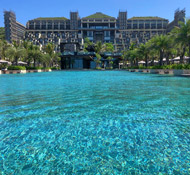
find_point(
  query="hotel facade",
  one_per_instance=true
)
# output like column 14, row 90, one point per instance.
column 120, row 31
column 14, row 31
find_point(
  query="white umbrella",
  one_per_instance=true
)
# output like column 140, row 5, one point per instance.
column 176, row 59
column 5, row 62
column 21, row 62
column 155, row 61
column 141, row 62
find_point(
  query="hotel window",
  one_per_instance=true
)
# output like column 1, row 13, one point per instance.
column 84, row 25
column 129, row 26
column 134, row 26
column 159, row 26
column 164, row 25
column 90, row 33
column 147, row 26
column 37, row 25
column 153, row 26
column 107, row 33
column 43, row 25
column 49, row 25
column 112, row 25
column 141, row 26
column 62, row 26
column 31, row 26
column 56, row 26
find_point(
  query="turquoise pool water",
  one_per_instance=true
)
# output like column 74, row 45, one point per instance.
column 94, row 122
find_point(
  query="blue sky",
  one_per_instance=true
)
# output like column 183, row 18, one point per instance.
column 26, row 10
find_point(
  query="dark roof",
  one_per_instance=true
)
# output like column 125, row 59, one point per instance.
column 51, row 18
column 99, row 15
column 147, row 18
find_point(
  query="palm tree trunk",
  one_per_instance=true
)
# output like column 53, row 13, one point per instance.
column 167, row 59
column 161, row 57
column 152, row 61
column 34, row 62
column 146, row 61
column 137, row 60
column 16, row 59
column 182, row 55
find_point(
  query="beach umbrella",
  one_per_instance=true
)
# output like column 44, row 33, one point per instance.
column 21, row 62
column 141, row 62
column 5, row 62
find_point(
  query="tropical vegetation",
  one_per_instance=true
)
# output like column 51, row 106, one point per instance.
column 31, row 55
column 176, row 43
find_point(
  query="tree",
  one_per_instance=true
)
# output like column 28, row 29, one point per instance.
column 109, row 47
column 2, row 33
column 3, row 47
column 110, row 62
column 182, row 37
column 34, row 54
column 56, row 59
column 49, row 48
column 15, row 53
column 132, row 53
column 97, row 60
column 160, row 43
column 99, row 47
column 143, row 52
column 124, row 57
column 88, row 45
column 46, row 60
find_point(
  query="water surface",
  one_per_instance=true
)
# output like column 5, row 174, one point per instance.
column 94, row 122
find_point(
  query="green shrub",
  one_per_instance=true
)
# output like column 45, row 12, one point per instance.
column 155, row 67
column 55, row 68
column 46, row 68
column 16, row 68
column 142, row 67
column 109, row 68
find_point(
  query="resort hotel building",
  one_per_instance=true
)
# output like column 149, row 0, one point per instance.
column 68, row 34
column 120, row 31
column 14, row 31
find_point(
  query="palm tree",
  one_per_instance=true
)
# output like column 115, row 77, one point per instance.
column 34, row 54
column 3, row 47
column 15, row 53
column 124, row 57
column 46, row 60
column 99, row 47
column 160, row 43
column 132, row 53
column 182, row 37
column 109, row 47
column 97, row 60
column 143, row 52
column 49, row 48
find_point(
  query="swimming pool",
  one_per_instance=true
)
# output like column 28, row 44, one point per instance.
column 94, row 122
